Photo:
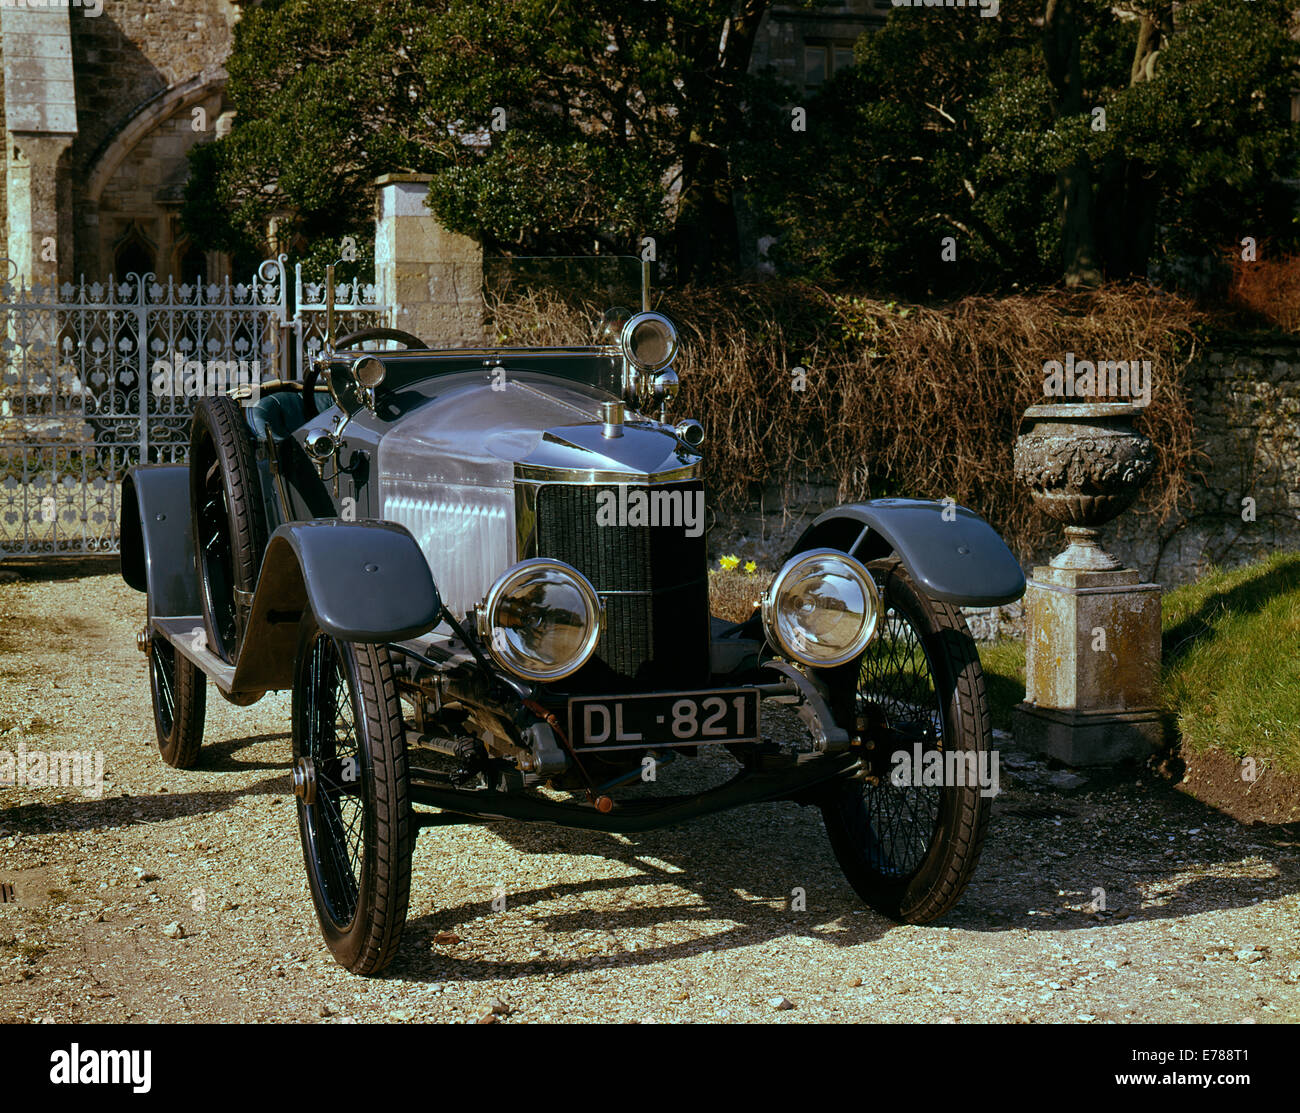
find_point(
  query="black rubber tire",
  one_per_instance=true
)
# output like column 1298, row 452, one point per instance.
column 921, row 891
column 229, row 519
column 178, row 690
column 360, row 886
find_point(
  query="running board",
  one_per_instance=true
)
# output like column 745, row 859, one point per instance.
column 188, row 635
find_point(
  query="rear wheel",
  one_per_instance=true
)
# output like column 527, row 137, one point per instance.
column 354, row 809
column 229, row 520
column 179, row 694
column 909, row 850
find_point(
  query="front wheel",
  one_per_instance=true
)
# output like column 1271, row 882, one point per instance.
column 908, row 837
column 354, row 807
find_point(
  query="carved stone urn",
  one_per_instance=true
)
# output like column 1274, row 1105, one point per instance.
column 1092, row 639
column 1084, row 464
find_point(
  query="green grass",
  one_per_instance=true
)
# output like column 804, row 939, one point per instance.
column 1231, row 663
column 1004, row 677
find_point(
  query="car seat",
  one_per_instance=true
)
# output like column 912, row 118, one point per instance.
column 280, row 410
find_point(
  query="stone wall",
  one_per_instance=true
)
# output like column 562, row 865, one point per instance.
column 787, row 30
column 1246, row 405
column 143, row 194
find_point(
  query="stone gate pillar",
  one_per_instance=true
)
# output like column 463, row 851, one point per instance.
column 40, row 124
column 40, row 233
column 430, row 279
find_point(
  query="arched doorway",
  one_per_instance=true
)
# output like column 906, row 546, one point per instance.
column 133, row 254
column 191, row 263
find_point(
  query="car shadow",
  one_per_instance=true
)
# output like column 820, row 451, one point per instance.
column 1033, row 875
column 219, row 757
column 121, row 811
column 1127, row 849
column 745, row 895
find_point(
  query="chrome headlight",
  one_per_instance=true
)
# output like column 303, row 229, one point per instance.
column 649, row 341
column 822, row 609
column 541, row 620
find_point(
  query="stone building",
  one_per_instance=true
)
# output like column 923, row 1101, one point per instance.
column 806, row 46
column 101, row 101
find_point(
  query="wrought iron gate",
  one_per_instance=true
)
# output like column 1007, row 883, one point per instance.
column 84, row 396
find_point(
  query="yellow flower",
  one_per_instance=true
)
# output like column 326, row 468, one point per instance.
column 751, row 567
column 729, row 562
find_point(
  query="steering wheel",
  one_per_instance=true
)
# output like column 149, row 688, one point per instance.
column 309, row 408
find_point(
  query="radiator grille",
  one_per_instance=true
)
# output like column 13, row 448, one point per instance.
column 652, row 577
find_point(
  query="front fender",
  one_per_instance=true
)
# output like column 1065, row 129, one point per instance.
column 364, row 581
column 157, row 538
column 957, row 558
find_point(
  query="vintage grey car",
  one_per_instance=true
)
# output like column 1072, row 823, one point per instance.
column 483, row 576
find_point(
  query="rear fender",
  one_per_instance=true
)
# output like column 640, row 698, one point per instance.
column 157, row 538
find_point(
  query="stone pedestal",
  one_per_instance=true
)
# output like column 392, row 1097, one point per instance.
column 431, row 279
column 1092, row 666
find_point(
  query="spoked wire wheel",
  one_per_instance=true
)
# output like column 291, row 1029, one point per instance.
column 908, row 837
column 179, row 694
column 898, row 698
column 354, row 810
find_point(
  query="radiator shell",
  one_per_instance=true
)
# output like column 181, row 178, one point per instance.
column 652, row 578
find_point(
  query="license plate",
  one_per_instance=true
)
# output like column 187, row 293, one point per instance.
column 664, row 719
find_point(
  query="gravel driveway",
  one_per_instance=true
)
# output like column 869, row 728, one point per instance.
column 182, row 896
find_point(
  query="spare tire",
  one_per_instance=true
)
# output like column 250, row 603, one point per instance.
column 229, row 521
